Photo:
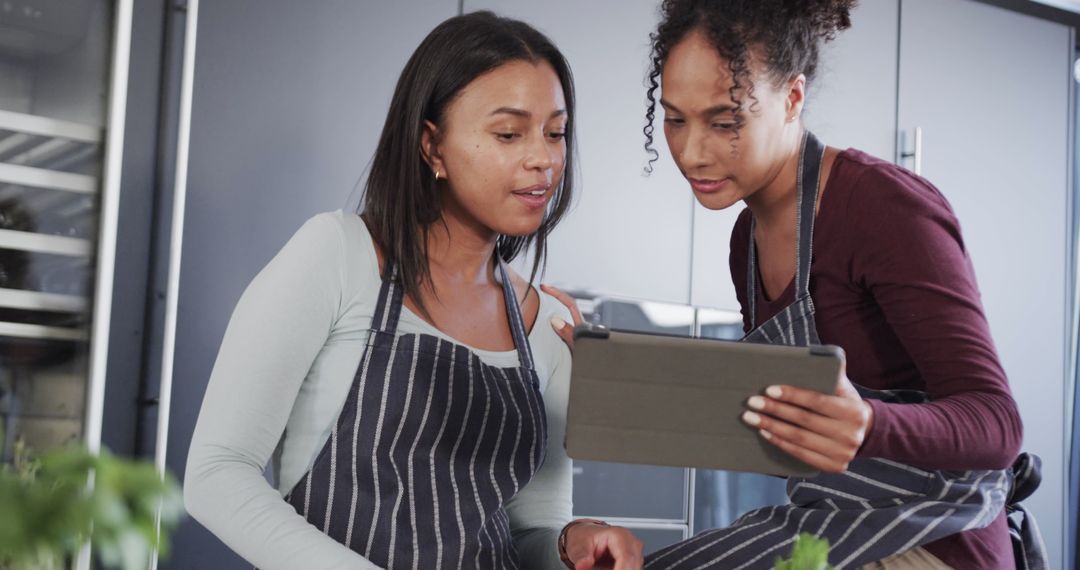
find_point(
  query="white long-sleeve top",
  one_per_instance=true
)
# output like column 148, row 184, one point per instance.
column 282, row 375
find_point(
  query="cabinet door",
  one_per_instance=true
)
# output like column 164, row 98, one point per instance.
column 852, row 103
column 629, row 234
column 989, row 89
column 289, row 102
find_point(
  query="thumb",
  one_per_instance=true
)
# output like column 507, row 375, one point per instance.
column 564, row 330
column 843, row 385
column 585, row 563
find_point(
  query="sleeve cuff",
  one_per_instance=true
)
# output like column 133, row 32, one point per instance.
column 874, row 443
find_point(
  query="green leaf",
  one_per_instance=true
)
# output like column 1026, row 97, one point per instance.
column 50, row 509
column 809, row 553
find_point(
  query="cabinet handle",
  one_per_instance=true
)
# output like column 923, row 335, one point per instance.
column 916, row 152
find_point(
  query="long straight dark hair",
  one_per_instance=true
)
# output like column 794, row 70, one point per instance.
column 401, row 199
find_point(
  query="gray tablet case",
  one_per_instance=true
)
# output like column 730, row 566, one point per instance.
column 664, row 400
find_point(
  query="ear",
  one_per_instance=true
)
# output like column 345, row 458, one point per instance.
column 796, row 98
column 429, row 147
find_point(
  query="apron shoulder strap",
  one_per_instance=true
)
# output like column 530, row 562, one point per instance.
column 513, row 315
column 809, row 175
column 751, row 276
column 811, row 156
column 391, row 297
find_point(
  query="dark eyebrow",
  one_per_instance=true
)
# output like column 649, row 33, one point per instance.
column 523, row 113
column 512, row 111
column 711, row 111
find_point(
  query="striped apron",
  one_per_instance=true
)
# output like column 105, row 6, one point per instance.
column 429, row 446
column 877, row 508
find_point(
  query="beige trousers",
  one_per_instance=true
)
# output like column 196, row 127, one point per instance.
column 914, row 559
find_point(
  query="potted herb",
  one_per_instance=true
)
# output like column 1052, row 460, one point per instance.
column 49, row 510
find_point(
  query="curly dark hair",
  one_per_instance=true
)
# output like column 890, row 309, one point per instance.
column 786, row 34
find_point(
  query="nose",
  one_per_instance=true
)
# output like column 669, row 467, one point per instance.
column 542, row 155
column 694, row 153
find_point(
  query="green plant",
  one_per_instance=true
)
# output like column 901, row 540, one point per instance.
column 809, row 553
column 50, row 509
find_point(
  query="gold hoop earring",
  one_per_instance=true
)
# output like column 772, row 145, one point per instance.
column 438, row 173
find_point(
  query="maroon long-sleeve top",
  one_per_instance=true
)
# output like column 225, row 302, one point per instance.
column 893, row 285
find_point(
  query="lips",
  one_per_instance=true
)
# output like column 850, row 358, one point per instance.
column 708, row 186
column 535, row 196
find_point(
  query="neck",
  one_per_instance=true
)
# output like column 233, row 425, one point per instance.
column 773, row 205
column 460, row 249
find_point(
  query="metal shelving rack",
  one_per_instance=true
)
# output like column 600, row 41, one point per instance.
column 32, row 151
column 61, row 157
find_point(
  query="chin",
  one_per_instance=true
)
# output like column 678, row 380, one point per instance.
column 717, row 201
column 519, row 227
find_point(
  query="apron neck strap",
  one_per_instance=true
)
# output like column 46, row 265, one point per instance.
column 807, row 182
column 391, row 298
column 513, row 315
column 808, row 178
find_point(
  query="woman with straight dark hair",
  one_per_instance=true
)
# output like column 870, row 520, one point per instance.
column 389, row 362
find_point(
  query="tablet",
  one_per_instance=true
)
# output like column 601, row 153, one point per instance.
column 665, row 400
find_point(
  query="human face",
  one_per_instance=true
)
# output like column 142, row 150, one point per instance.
column 501, row 148
column 722, row 164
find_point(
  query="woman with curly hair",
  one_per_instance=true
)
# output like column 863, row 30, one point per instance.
column 838, row 247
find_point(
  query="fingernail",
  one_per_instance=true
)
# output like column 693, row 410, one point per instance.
column 751, row 418
column 774, row 392
column 558, row 323
column 756, row 402
column 765, row 434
